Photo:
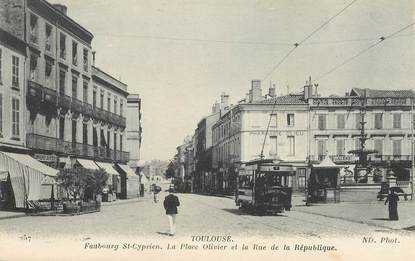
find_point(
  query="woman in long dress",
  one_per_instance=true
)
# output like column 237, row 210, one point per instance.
column 393, row 199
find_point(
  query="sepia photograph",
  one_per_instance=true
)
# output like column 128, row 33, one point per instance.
column 207, row 129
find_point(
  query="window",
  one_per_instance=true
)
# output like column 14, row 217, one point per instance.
column 74, row 125
column 103, row 143
column 341, row 123
column 357, row 144
column 340, row 147
column 291, row 144
column 115, row 106
column 61, row 128
column 74, row 87
column 94, row 137
column 1, row 115
column 290, row 119
column 322, row 122
column 0, row 65
column 378, row 121
column 274, row 144
column 74, row 53
column 62, row 44
column 396, row 121
column 358, row 118
column 33, row 29
column 86, row 64
column 101, row 100
column 108, row 104
column 85, row 91
column 121, row 108
column 33, row 67
column 15, row 71
column 397, row 146
column 85, row 133
column 48, row 73
column 94, row 98
column 321, row 148
column 15, row 117
column 115, row 141
column 121, row 145
column 48, row 43
column 379, row 147
column 274, row 120
column 301, row 173
column 62, row 76
column 108, row 139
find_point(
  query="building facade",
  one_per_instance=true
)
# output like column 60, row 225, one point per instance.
column 12, row 95
column 134, row 129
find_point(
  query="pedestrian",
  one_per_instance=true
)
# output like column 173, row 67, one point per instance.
column 393, row 199
column 156, row 191
column 171, row 202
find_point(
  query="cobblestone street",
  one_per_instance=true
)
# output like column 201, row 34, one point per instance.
column 198, row 215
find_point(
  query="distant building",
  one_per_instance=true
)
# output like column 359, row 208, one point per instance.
column 241, row 135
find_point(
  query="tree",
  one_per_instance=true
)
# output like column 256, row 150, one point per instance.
column 76, row 181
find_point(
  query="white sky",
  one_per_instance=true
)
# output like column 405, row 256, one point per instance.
column 143, row 41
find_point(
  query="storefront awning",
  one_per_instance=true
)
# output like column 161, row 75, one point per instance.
column 32, row 163
column 127, row 170
column 144, row 179
column 107, row 167
column 88, row 164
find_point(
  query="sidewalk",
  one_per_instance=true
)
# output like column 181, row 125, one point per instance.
column 372, row 213
column 11, row 214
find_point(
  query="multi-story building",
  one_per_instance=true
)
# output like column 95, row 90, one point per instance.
column 134, row 129
column 242, row 134
column 203, row 176
column 336, row 122
column 63, row 109
column 12, row 96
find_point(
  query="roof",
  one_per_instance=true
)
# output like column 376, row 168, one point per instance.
column 286, row 99
column 371, row 93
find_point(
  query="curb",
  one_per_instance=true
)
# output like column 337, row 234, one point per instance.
column 350, row 220
column 14, row 216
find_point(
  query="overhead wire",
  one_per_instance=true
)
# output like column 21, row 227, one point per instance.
column 306, row 38
column 380, row 40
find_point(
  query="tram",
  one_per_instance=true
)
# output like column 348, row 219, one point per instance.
column 264, row 186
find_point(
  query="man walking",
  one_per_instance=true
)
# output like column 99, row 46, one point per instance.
column 171, row 202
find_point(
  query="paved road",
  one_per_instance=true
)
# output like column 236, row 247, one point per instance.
column 198, row 215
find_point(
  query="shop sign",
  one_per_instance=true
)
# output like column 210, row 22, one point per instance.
column 45, row 157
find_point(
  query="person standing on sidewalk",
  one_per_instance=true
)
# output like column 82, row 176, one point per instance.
column 171, row 202
column 393, row 199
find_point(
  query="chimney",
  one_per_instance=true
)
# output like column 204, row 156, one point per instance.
column 61, row 8
column 224, row 100
column 256, row 90
column 215, row 107
column 271, row 91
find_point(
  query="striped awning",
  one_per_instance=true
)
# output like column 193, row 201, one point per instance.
column 88, row 164
column 107, row 167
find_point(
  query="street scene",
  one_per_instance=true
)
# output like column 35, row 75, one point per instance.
column 144, row 218
column 169, row 120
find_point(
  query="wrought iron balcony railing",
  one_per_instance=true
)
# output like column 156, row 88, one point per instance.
column 40, row 142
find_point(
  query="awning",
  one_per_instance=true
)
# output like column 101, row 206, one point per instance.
column 32, row 163
column 107, row 167
column 327, row 163
column 88, row 164
column 26, row 176
column 129, row 171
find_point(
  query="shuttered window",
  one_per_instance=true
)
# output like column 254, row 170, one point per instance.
column 341, row 123
column 397, row 121
column 321, row 147
column 322, row 122
column 378, row 121
column 397, row 147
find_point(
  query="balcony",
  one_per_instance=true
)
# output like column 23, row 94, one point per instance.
column 76, row 105
column 64, row 101
column 356, row 101
column 87, row 109
column 37, row 93
column 65, row 148
column 99, row 114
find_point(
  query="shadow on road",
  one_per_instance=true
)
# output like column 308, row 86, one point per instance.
column 384, row 219
column 163, row 233
column 240, row 212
